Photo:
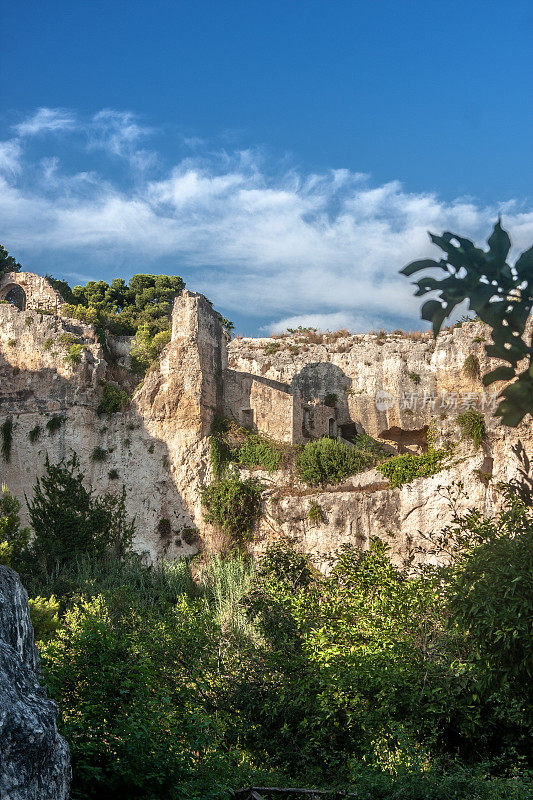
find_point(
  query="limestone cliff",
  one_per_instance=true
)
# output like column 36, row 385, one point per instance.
column 392, row 386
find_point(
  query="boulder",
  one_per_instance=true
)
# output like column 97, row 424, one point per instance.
column 34, row 758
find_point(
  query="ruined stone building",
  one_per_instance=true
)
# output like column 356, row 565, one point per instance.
column 391, row 386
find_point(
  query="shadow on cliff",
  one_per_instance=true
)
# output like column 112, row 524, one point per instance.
column 126, row 449
column 318, row 380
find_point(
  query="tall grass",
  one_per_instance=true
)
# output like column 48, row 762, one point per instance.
column 225, row 582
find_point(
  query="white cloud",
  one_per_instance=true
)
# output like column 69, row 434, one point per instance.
column 10, row 153
column 277, row 245
column 46, row 119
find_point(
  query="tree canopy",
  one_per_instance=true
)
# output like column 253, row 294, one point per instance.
column 7, row 262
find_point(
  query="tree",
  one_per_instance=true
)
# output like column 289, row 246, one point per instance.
column 502, row 297
column 7, row 262
column 13, row 539
column 70, row 521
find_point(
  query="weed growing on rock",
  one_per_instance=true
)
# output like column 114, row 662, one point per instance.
column 472, row 424
column 6, row 432
column 233, row 505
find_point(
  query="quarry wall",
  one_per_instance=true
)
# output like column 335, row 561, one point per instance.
column 392, row 386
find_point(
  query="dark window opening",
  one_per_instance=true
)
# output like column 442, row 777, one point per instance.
column 17, row 297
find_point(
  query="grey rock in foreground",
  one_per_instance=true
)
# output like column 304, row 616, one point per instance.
column 34, row 758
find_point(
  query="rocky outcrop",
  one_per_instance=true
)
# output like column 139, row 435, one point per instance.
column 34, row 758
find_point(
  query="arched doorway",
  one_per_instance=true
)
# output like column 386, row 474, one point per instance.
column 15, row 295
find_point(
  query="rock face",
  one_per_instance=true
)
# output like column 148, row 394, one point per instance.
column 34, row 758
column 391, row 386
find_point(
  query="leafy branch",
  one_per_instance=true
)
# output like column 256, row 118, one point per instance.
column 502, row 297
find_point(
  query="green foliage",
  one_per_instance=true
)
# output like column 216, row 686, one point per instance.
column 271, row 348
column 502, row 297
column 383, row 682
column 70, row 521
column 227, row 328
column 256, row 451
column 28, row 321
column 415, row 377
column 114, row 399
column 99, row 454
column 62, row 288
column 472, row 424
column 327, row 460
column 74, row 354
column 369, row 445
column 48, row 343
column 13, row 539
column 12, row 342
column 407, row 467
column 7, row 262
column 331, row 399
column 44, row 613
column 113, row 474
column 316, row 513
column 145, row 348
column 233, row 505
column 471, row 367
column 54, row 423
column 6, row 433
column 67, row 339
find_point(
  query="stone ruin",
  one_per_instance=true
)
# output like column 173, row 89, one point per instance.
column 27, row 291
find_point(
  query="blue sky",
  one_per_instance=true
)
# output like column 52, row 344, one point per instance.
column 286, row 158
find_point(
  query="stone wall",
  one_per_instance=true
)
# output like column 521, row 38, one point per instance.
column 159, row 446
column 39, row 294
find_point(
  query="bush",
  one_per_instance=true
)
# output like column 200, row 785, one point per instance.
column 407, row 467
column 113, row 399
column 316, row 513
column 44, row 613
column 331, row 400
column 6, row 432
column 99, row 454
column 34, row 434
column 472, row 424
column 54, row 424
column 471, row 367
column 74, row 354
column 328, row 460
column 256, row 451
column 271, row 348
column 415, row 377
column 233, row 505
column 13, row 539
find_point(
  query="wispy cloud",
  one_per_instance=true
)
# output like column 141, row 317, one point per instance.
column 46, row 120
column 275, row 243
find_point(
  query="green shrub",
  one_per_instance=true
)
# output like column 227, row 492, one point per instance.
column 74, row 354
column 54, row 423
column 316, row 513
column 34, row 434
column 28, row 322
column 6, row 432
column 233, row 505
column 113, row 399
column 415, row 377
column 330, row 400
column 99, row 454
column 44, row 613
column 471, row 367
column 48, row 343
column 472, row 424
column 328, row 460
column 271, row 348
column 407, row 467
column 12, row 342
column 67, row 339
column 368, row 444
column 257, row 451
column 13, row 539
column 113, row 474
